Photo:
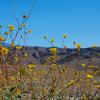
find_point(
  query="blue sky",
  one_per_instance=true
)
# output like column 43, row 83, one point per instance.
column 79, row 19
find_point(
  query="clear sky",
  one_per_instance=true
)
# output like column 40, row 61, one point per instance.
column 80, row 19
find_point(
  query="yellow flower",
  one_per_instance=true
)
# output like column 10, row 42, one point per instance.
column 2, row 38
column 70, row 83
column 96, row 82
column 6, row 33
column 78, row 46
column 26, row 55
column 12, row 78
column 84, row 96
column 4, row 51
column 97, row 86
column 78, row 84
column 83, row 65
column 31, row 66
column 12, row 44
column 29, row 31
column 94, row 46
column 64, row 36
column 18, row 91
column 11, row 27
column 23, row 25
column 91, row 66
column 53, row 50
column 90, row 76
column 65, row 47
column 18, row 47
column 16, row 59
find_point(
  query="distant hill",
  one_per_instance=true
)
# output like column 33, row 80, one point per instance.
column 65, row 56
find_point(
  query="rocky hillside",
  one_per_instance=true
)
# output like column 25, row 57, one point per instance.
column 66, row 56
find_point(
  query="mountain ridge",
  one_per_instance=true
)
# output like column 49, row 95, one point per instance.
column 39, row 54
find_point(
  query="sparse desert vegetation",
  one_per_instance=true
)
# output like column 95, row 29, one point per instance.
column 47, row 73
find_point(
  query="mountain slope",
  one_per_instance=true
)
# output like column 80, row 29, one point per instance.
column 65, row 56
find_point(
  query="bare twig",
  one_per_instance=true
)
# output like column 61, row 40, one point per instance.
column 26, row 19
